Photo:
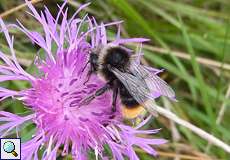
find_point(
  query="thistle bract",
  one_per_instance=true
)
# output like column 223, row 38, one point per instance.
column 62, row 127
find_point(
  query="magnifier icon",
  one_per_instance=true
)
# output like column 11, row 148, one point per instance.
column 9, row 147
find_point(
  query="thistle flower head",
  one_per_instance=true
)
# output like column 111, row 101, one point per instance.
column 62, row 127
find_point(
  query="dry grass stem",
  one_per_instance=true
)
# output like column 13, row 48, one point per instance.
column 22, row 61
column 203, row 134
column 175, row 133
column 183, row 55
column 180, row 156
column 223, row 107
column 10, row 11
column 220, row 114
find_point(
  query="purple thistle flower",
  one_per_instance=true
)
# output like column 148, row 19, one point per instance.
column 55, row 94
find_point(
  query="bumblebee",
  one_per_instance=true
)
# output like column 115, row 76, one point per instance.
column 132, row 81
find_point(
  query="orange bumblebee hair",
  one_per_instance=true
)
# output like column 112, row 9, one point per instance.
column 134, row 112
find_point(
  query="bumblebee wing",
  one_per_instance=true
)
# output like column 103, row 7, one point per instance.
column 139, row 90
column 156, row 85
column 136, row 87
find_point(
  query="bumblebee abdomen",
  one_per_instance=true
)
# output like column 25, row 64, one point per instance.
column 131, row 108
column 134, row 112
column 129, row 102
column 126, row 98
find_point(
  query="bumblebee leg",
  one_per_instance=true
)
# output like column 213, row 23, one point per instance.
column 92, row 69
column 85, row 66
column 89, row 73
column 88, row 76
column 115, row 92
column 115, row 84
column 98, row 92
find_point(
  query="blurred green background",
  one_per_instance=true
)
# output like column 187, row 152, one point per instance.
column 189, row 38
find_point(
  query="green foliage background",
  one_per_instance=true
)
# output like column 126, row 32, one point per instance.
column 197, row 29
